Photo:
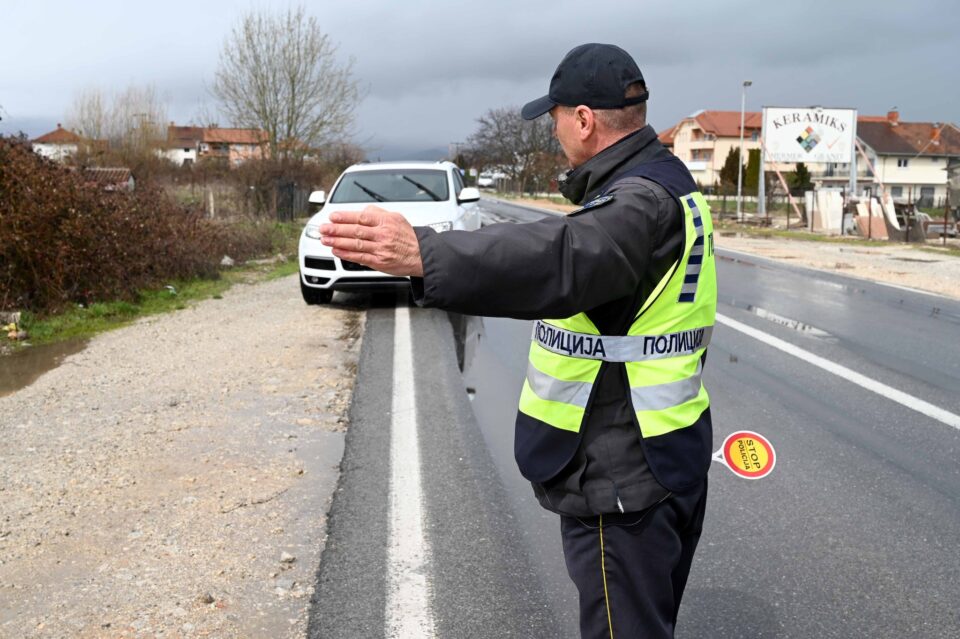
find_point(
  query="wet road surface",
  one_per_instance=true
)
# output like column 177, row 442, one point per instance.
column 852, row 535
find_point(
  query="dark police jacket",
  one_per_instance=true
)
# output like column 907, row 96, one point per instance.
column 605, row 260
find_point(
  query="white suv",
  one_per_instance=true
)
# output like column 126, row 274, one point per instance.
column 426, row 193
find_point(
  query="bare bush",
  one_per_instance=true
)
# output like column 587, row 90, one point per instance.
column 65, row 240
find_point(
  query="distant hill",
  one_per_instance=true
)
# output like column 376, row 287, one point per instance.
column 396, row 153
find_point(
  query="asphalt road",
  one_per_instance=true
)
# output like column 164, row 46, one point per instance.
column 854, row 534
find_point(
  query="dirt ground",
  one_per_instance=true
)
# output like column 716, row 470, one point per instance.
column 172, row 478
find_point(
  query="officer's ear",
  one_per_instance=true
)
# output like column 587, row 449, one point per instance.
column 586, row 121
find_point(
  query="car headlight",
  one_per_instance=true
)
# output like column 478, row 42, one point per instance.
column 313, row 232
column 440, row 227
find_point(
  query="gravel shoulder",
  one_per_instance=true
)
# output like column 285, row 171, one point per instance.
column 173, row 478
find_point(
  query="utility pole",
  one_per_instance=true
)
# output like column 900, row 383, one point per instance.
column 946, row 211
column 743, row 108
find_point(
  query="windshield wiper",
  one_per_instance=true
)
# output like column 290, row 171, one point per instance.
column 436, row 198
column 373, row 194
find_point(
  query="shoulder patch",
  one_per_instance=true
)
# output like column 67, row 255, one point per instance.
column 594, row 203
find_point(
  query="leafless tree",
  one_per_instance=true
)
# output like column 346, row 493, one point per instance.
column 139, row 119
column 132, row 121
column 205, row 116
column 125, row 128
column 525, row 151
column 280, row 73
column 88, row 114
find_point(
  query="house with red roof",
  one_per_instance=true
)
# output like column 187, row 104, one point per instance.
column 909, row 159
column 59, row 144
column 704, row 139
column 187, row 144
column 110, row 179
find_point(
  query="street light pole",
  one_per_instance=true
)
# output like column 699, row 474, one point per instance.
column 743, row 108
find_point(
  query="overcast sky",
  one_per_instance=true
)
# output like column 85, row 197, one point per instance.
column 430, row 68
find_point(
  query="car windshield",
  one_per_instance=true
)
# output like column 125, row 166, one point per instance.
column 392, row 185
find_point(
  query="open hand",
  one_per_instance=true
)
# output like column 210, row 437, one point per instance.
column 374, row 237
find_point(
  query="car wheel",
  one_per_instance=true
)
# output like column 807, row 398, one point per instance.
column 314, row 296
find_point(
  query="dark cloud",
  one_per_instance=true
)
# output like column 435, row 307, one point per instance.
column 431, row 68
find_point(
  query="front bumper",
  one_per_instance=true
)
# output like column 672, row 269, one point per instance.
column 329, row 272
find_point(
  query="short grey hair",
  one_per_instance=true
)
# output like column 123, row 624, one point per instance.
column 626, row 119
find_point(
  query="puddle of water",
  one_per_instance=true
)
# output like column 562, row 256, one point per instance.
column 846, row 288
column 22, row 367
column 915, row 259
column 743, row 235
column 735, row 260
column 797, row 325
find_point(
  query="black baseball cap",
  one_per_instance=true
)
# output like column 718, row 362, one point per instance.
column 595, row 75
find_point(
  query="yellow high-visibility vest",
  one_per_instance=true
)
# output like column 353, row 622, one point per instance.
column 662, row 350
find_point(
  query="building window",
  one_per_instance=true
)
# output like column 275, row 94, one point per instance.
column 896, row 191
column 754, row 136
column 903, row 162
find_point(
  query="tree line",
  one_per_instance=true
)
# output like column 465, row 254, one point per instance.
column 798, row 180
column 525, row 151
column 277, row 72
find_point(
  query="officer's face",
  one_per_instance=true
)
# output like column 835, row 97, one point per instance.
column 564, row 129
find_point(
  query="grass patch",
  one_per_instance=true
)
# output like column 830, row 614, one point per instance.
column 806, row 236
column 716, row 205
column 283, row 269
column 86, row 321
column 803, row 236
column 952, row 251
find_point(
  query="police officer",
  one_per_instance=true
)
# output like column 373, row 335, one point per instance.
column 613, row 428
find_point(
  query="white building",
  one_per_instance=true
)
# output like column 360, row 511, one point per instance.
column 907, row 160
column 58, row 145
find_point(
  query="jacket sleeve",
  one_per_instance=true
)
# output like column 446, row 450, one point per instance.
column 550, row 268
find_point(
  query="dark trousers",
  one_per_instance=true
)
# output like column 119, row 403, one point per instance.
column 631, row 568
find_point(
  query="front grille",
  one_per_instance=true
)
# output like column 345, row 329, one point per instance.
column 319, row 263
column 353, row 266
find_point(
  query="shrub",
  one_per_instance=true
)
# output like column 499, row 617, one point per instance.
column 64, row 240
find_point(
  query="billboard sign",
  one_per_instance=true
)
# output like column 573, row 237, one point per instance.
column 805, row 134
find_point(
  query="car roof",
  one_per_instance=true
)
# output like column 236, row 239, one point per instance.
column 379, row 166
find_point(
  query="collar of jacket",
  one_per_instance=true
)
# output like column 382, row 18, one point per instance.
column 590, row 178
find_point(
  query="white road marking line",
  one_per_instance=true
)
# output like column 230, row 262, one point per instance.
column 408, row 612
column 911, row 402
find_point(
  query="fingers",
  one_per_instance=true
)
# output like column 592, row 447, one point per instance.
column 369, row 216
column 352, row 256
column 345, row 217
column 355, row 224
column 346, row 242
column 352, row 231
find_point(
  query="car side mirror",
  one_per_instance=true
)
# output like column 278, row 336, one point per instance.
column 318, row 197
column 469, row 194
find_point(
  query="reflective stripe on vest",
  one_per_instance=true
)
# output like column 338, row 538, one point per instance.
column 662, row 350
column 620, row 348
column 656, row 397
